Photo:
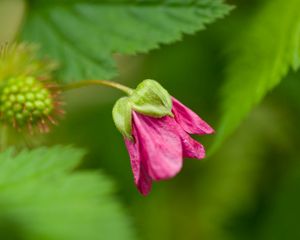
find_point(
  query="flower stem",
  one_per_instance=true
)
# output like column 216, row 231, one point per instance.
column 86, row 83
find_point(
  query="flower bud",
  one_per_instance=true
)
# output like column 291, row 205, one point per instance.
column 151, row 99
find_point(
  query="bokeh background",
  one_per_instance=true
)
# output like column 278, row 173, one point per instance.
column 247, row 189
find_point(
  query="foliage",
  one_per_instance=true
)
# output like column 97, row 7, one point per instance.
column 83, row 35
column 40, row 198
column 247, row 190
column 262, row 56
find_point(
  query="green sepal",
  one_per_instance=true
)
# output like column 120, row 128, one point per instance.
column 150, row 98
column 122, row 116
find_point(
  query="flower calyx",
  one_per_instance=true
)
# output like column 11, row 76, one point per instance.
column 149, row 98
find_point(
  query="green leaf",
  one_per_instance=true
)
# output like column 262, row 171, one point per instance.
column 264, row 53
column 83, row 35
column 122, row 116
column 40, row 198
column 150, row 98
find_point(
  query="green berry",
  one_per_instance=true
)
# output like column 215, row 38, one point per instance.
column 19, row 116
column 46, row 111
column 5, row 91
column 3, row 98
column 10, row 113
column 39, row 96
column 35, row 89
column 7, row 104
column 14, row 88
column 25, row 100
column 48, row 102
column 29, row 106
column 21, row 98
column 36, row 113
column 39, row 105
column 30, row 96
column 45, row 92
column 30, row 81
column 12, row 98
column 17, row 107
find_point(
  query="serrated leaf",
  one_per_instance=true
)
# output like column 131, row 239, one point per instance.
column 40, row 198
column 264, row 53
column 122, row 116
column 83, row 35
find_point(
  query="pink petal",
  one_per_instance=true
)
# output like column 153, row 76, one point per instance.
column 190, row 147
column 189, row 120
column 141, row 178
column 160, row 145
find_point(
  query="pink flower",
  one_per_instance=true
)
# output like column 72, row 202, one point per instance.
column 160, row 144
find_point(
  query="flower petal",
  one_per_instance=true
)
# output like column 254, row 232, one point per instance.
column 189, row 120
column 141, row 179
column 190, row 147
column 160, row 145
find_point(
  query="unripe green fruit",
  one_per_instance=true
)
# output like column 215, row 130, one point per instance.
column 25, row 100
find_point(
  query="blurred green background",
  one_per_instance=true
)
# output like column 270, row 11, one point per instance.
column 248, row 189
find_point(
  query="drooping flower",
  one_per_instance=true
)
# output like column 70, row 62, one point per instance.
column 156, row 129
